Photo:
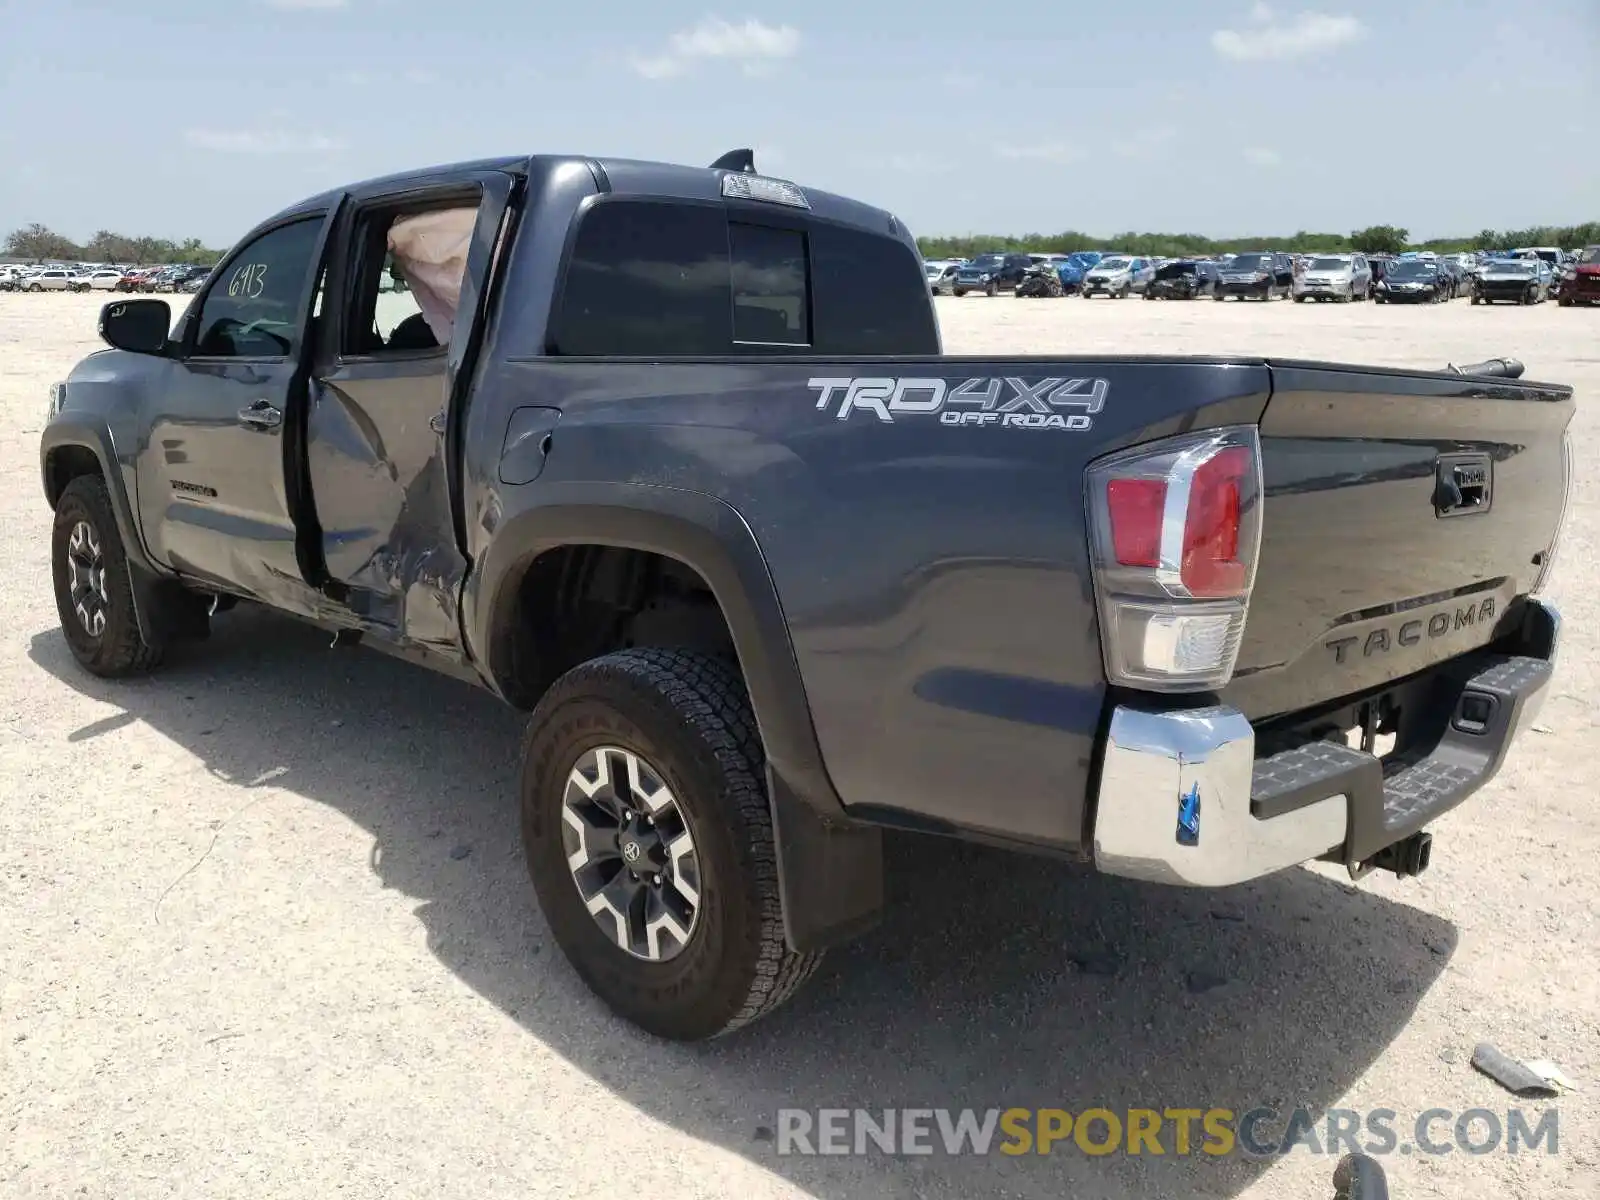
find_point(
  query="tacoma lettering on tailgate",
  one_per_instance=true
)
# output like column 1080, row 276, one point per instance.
column 1409, row 633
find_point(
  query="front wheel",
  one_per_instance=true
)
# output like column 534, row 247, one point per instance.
column 94, row 592
column 649, row 838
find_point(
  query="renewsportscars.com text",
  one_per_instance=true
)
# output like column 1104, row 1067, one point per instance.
column 1260, row 1132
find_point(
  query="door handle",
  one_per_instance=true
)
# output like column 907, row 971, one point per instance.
column 436, row 423
column 261, row 415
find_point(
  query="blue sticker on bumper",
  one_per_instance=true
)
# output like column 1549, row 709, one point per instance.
column 1189, row 816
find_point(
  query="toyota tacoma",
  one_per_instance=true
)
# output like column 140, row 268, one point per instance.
column 671, row 458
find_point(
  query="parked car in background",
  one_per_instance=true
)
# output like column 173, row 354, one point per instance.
column 941, row 274
column 1519, row 280
column 105, row 279
column 1413, row 281
column 1041, row 279
column 1582, row 285
column 991, row 273
column 196, row 281
column 1184, row 279
column 1550, row 255
column 1338, row 277
column 1118, row 276
column 56, row 280
column 1078, row 264
column 1451, row 276
column 1257, row 275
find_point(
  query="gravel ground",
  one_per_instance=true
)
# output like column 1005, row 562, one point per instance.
column 265, row 930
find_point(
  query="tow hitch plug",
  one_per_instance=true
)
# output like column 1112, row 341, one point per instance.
column 1408, row 857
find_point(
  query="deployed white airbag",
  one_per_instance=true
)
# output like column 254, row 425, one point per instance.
column 431, row 251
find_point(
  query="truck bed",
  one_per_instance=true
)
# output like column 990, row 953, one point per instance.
column 932, row 561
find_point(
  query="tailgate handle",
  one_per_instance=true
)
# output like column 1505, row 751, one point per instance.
column 1462, row 484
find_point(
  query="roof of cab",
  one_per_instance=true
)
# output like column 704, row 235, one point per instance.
column 625, row 175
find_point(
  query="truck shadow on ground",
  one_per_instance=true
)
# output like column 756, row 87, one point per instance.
column 996, row 980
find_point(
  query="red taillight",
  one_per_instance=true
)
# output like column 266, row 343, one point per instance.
column 1211, row 565
column 1135, row 506
column 1175, row 530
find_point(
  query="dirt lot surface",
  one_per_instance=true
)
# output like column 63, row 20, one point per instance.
column 265, row 930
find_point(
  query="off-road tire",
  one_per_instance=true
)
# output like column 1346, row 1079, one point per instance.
column 120, row 649
column 688, row 715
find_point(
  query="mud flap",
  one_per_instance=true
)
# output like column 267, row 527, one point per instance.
column 165, row 610
column 830, row 874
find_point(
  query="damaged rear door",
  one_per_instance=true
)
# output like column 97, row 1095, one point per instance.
column 390, row 380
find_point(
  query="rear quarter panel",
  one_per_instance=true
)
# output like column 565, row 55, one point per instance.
column 933, row 575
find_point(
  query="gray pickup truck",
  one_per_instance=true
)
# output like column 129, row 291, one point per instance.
column 671, row 458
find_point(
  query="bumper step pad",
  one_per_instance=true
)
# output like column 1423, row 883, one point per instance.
column 1394, row 798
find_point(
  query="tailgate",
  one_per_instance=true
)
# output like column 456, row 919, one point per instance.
column 1368, row 569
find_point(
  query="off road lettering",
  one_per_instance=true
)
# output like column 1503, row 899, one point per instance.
column 1006, row 402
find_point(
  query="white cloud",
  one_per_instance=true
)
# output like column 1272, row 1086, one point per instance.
column 1055, row 152
column 753, row 45
column 1261, row 156
column 261, row 141
column 1304, row 35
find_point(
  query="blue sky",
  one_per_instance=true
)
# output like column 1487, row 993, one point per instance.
column 1222, row 117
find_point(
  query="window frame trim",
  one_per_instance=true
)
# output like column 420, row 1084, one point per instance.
column 194, row 317
column 426, row 196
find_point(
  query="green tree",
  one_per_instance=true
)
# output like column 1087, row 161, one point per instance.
column 1380, row 239
column 37, row 242
column 106, row 246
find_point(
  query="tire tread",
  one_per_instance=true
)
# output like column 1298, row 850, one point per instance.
column 127, row 653
column 708, row 695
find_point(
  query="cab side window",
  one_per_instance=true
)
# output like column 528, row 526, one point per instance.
column 408, row 267
column 253, row 305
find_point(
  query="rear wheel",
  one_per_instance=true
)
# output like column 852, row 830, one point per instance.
column 649, row 838
column 94, row 592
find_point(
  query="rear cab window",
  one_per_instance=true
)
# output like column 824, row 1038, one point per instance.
column 650, row 277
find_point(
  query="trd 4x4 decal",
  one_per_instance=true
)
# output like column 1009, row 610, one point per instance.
column 1005, row 401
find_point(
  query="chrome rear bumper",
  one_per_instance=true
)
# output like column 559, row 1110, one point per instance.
column 1184, row 800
